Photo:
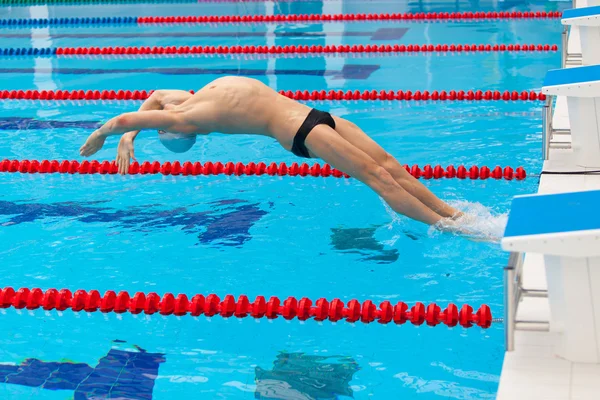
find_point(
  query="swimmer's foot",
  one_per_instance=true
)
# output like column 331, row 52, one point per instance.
column 464, row 225
column 457, row 215
column 450, row 225
column 463, row 219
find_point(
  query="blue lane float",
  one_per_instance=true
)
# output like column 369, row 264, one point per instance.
column 67, row 21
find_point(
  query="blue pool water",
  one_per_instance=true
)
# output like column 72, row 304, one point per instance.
column 260, row 235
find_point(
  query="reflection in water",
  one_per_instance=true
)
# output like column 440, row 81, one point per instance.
column 118, row 375
column 24, row 123
column 445, row 388
column 306, row 377
column 362, row 241
column 228, row 223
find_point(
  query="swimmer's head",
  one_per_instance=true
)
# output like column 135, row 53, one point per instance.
column 176, row 142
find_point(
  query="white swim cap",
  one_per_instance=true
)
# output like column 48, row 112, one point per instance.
column 176, row 142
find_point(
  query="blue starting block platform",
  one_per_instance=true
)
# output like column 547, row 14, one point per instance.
column 577, row 13
column 587, row 20
column 575, row 82
column 566, row 224
column 581, row 86
column 573, row 15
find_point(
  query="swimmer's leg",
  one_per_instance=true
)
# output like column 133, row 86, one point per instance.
column 358, row 138
column 327, row 144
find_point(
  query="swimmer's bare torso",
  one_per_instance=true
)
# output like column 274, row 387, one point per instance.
column 239, row 105
column 236, row 105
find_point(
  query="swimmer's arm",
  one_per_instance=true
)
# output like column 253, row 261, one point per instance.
column 125, row 149
column 134, row 121
column 154, row 102
column 139, row 120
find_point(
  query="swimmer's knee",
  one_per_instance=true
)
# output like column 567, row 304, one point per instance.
column 402, row 177
column 379, row 178
column 391, row 164
column 388, row 159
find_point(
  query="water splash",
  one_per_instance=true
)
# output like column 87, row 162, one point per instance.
column 480, row 223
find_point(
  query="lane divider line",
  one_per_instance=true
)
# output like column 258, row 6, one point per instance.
column 331, row 95
column 239, row 169
column 276, row 50
column 253, row 19
column 211, row 305
column 414, row 107
column 20, row 3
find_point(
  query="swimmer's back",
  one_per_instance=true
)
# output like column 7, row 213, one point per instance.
column 242, row 105
column 233, row 92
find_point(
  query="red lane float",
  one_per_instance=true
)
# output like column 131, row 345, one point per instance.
column 238, row 169
column 337, row 95
column 167, row 168
column 416, row 17
column 328, row 49
column 211, row 305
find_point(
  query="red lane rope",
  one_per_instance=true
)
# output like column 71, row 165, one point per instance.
column 211, row 305
column 252, row 19
column 328, row 49
column 208, row 168
column 430, row 16
column 366, row 95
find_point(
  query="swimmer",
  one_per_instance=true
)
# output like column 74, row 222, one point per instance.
column 239, row 105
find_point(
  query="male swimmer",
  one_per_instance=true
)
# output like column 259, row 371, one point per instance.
column 238, row 105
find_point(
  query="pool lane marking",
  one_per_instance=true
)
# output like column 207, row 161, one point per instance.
column 348, row 71
column 378, row 34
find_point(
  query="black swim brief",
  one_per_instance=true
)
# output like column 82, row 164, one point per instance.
column 314, row 118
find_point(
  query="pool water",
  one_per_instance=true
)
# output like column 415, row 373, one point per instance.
column 271, row 236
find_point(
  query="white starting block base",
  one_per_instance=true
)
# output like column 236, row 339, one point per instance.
column 570, row 243
column 587, row 19
column 581, row 86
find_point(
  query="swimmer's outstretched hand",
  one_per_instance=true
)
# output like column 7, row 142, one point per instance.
column 125, row 153
column 93, row 143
